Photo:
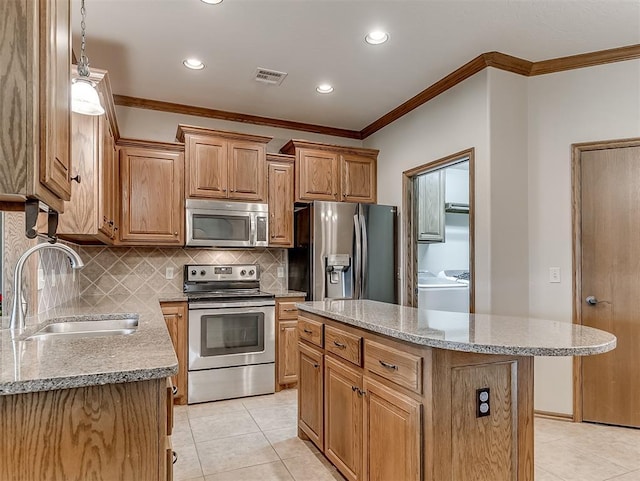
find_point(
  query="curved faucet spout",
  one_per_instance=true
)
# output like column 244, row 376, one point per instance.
column 17, row 313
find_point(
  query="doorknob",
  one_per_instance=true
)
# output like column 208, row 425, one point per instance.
column 591, row 300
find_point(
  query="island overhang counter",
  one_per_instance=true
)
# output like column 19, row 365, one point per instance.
column 394, row 392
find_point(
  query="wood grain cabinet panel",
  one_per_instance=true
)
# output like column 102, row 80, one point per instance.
column 286, row 342
column 399, row 367
column 343, row 418
column 391, row 436
column 280, row 198
column 35, row 126
column 224, row 165
column 176, row 317
column 333, row 172
column 310, row 394
column 343, row 344
column 430, row 207
column 93, row 212
column 358, row 178
column 311, row 331
column 151, row 176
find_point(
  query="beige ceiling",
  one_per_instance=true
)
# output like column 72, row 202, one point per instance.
column 142, row 44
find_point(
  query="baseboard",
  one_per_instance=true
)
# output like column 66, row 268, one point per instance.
column 552, row 415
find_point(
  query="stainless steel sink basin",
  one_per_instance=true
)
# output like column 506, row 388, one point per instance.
column 91, row 328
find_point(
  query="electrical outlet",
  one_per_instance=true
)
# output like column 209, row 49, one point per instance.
column 168, row 273
column 280, row 271
column 483, row 402
column 554, row 274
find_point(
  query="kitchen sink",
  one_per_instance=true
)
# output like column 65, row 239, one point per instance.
column 88, row 328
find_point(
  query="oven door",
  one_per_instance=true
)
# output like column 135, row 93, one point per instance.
column 231, row 336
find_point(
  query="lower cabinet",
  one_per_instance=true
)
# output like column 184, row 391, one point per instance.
column 343, row 418
column 310, row 394
column 175, row 315
column 368, row 430
column 286, row 342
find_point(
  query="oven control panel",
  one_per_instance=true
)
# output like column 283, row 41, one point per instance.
column 234, row 272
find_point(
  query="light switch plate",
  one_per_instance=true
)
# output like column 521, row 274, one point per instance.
column 554, row 274
column 168, row 273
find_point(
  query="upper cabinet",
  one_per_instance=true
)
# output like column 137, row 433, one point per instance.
column 223, row 165
column 280, row 198
column 35, row 51
column 93, row 212
column 151, row 187
column 429, row 206
column 332, row 172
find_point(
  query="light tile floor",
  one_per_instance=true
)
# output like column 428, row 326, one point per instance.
column 255, row 439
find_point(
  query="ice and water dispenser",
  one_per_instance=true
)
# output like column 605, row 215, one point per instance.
column 338, row 278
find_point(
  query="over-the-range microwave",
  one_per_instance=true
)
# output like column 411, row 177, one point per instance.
column 212, row 223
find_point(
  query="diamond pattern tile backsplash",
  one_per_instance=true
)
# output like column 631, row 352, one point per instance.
column 141, row 270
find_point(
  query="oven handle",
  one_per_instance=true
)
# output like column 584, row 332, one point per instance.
column 200, row 306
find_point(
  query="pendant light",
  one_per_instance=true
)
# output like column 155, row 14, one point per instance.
column 84, row 97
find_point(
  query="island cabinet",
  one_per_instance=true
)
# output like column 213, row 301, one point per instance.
column 176, row 317
column 280, row 186
column 151, row 189
column 223, row 165
column 112, row 431
column 381, row 408
column 35, row 133
column 93, row 213
column 332, row 172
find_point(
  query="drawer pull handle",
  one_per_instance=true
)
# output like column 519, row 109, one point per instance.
column 339, row 345
column 174, row 390
column 290, row 310
column 387, row 365
column 308, row 331
column 175, row 457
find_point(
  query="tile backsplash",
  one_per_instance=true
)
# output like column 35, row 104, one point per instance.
column 141, row 270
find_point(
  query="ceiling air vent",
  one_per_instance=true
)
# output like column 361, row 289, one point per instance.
column 267, row 76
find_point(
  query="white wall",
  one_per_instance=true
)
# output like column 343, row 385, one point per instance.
column 161, row 126
column 452, row 122
column 597, row 103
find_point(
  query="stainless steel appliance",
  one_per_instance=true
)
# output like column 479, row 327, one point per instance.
column 345, row 251
column 213, row 223
column 231, row 333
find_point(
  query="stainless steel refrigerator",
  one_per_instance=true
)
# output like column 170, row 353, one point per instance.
column 345, row 251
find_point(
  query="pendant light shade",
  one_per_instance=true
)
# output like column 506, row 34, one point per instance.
column 84, row 97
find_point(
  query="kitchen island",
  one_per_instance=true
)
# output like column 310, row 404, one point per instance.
column 390, row 392
column 88, row 407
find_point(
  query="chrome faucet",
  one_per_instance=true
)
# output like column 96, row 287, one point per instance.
column 18, row 311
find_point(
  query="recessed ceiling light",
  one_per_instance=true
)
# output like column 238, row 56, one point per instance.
column 193, row 64
column 376, row 37
column 212, row 2
column 324, row 89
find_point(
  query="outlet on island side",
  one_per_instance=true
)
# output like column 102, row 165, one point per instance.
column 483, row 402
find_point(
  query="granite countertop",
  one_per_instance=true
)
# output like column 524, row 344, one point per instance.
column 43, row 365
column 481, row 333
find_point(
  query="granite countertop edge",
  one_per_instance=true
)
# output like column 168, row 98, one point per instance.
column 87, row 362
column 470, row 347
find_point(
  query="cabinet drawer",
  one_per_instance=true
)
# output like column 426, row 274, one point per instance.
column 399, row 367
column 341, row 343
column 310, row 331
column 287, row 310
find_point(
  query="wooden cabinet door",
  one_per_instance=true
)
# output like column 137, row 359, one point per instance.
column 287, row 352
column 391, row 434
column 246, row 171
column 343, row 418
column 152, row 203
column 55, row 98
column 280, row 204
column 358, row 178
column 206, row 166
column 175, row 315
column 429, row 206
column 310, row 407
column 317, row 174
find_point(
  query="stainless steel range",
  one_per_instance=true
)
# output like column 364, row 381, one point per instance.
column 231, row 332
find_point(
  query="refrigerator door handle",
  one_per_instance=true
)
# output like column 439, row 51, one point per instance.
column 357, row 277
column 365, row 257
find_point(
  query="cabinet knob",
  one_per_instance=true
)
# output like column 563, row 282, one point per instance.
column 224, row 190
column 316, row 366
column 175, row 233
column 77, row 178
column 179, row 316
